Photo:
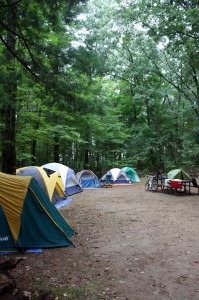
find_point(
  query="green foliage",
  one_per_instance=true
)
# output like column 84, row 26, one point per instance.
column 117, row 87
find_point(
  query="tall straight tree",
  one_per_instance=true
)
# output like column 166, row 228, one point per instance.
column 9, row 108
column 33, row 36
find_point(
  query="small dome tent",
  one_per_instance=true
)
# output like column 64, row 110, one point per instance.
column 118, row 177
column 28, row 220
column 132, row 174
column 88, row 179
column 178, row 174
column 68, row 177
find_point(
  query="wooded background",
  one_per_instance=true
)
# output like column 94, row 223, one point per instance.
column 99, row 84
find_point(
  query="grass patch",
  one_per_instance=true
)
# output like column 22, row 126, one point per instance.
column 65, row 293
column 69, row 293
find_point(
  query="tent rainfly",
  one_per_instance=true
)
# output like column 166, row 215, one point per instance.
column 132, row 174
column 28, row 220
column 68, row 177
column 118, row 177
column 88, row 179
column 51, row 185
column 178, row 174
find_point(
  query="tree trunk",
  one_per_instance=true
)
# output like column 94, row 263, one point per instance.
column 8, row 150
column 56, row 148
column 86, row 158
column 9, row 109
column 33, row 155
column 157, row 130
column 34, row 141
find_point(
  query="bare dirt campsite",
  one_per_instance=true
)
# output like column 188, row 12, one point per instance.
column 131, row 244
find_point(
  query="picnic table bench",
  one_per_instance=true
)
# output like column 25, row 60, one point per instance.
column 184, row 186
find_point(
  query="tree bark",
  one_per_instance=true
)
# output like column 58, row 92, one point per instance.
column 9, row 108
column 86, row 158
column 56, row 148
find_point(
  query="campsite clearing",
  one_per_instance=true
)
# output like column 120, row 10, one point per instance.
column 131, row 244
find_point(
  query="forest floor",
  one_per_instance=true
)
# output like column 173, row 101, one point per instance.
column 131, row 244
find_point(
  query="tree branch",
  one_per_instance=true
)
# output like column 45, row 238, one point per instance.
column 9, row 5
column 22, row 62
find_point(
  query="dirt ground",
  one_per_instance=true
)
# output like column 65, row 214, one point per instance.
column 131, row 244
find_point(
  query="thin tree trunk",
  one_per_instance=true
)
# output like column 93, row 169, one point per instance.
column 34, row 141
column 86, row 158
column 56, row 148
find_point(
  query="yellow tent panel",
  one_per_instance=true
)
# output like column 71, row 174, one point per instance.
column 11, row 189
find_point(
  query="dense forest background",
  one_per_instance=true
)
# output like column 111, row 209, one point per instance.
column 99, row 84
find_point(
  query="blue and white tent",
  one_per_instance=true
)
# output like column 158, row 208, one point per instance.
column 88, row 180
column 68, row 177
column 118, row 177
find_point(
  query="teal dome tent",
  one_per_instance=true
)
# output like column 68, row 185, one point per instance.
column 132, row 174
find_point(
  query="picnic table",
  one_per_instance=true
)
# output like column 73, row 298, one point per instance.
column 170, row 185
column 179, row 185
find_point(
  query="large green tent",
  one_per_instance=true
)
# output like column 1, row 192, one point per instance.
column 132, row 174
column 178, row 174
column 28, row 219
